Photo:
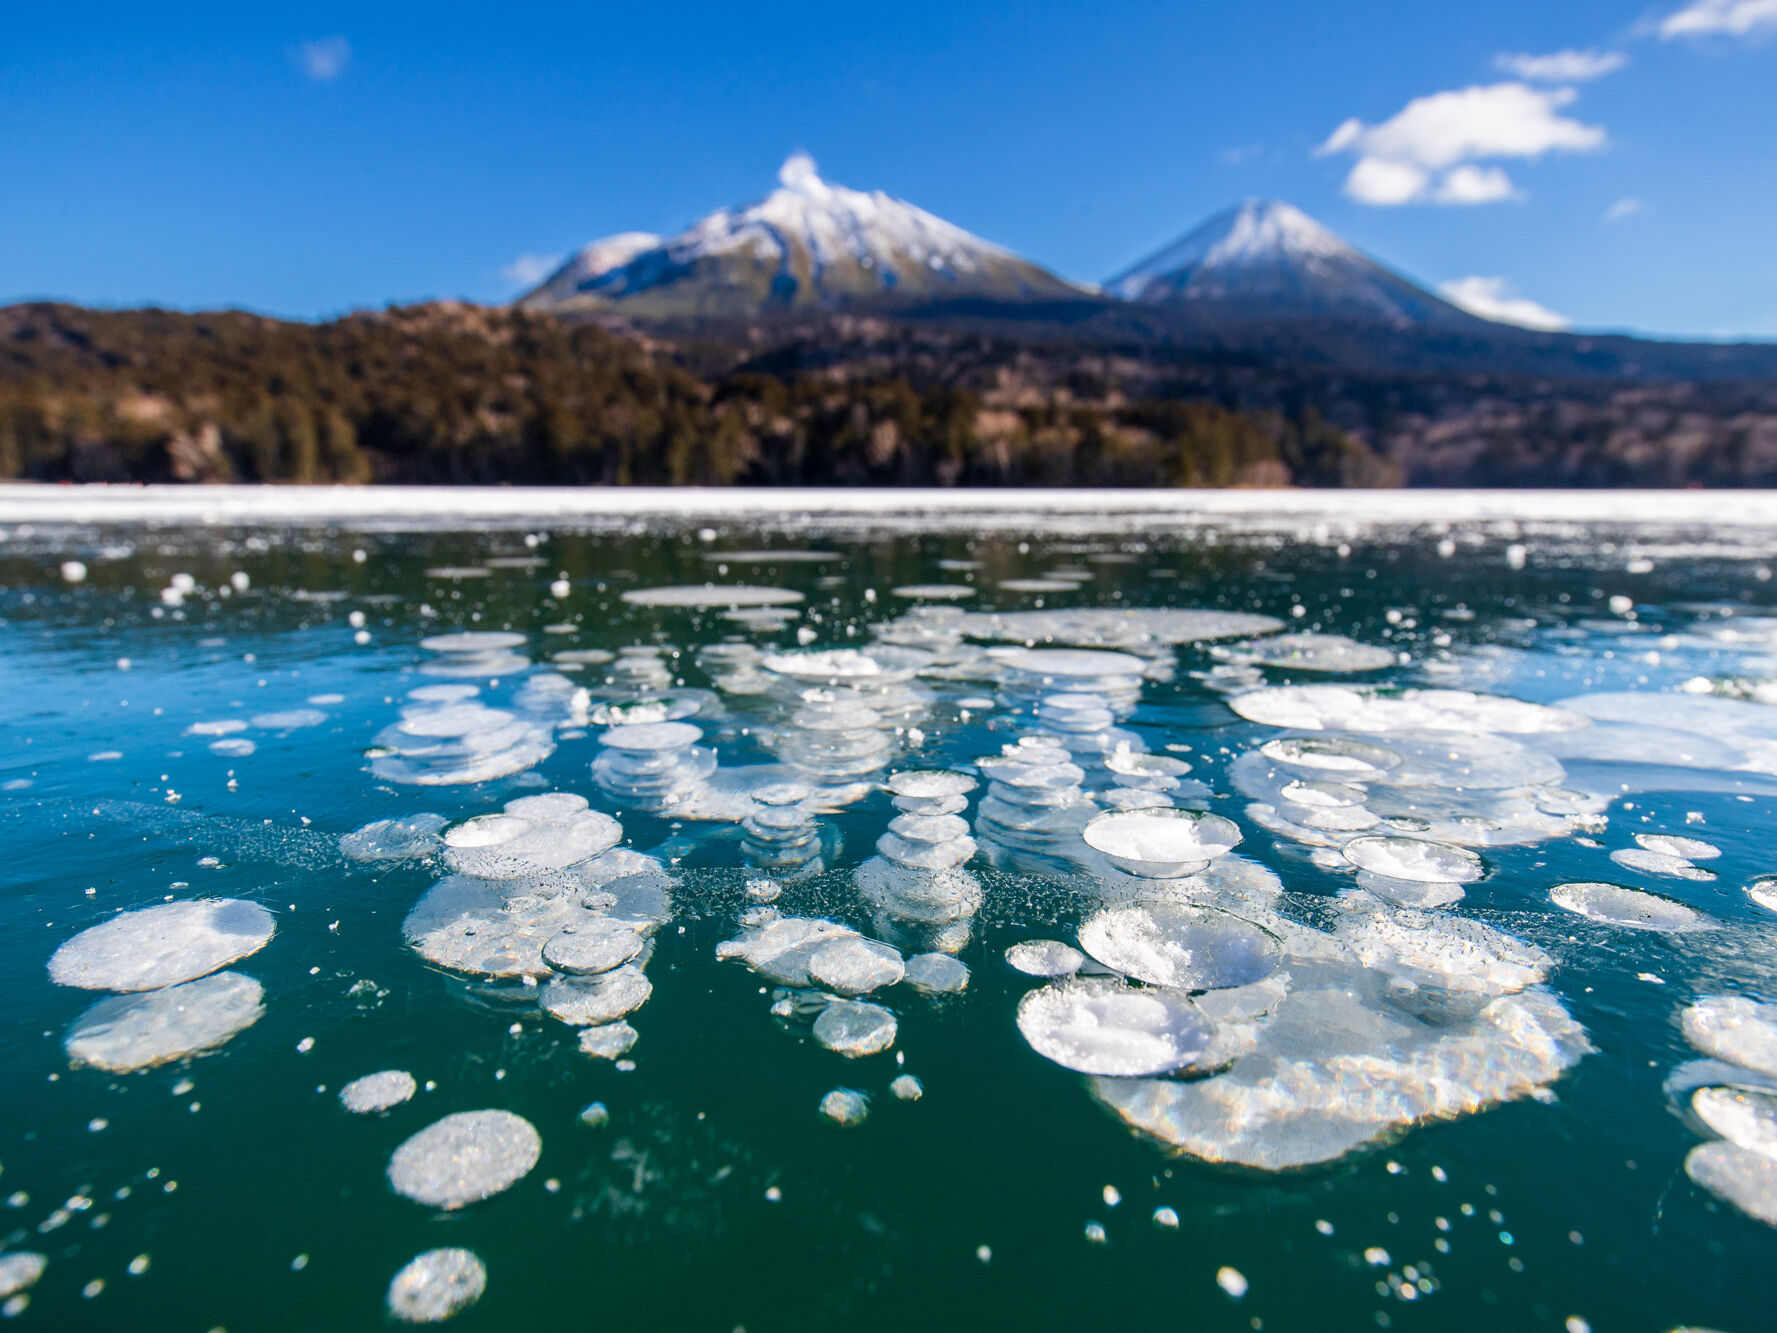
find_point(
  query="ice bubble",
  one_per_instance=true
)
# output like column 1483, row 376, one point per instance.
column 473, row 641
column 1045, row 958
column 935, row 592
column 225, row 726
column 594, row 1115
column 1659, row 863
column 608, row 1041
column 73, row 571
column 233, row 747
column 1338, row 708
column 1131, row 627
column 1746, row 1119
column 929, row 785
column 292, row 720
column 592, row 946
column 845, row 1106
column 709, row 596
column 19, row 1271
column 1741, row 1031
column 1615, row 905
column 162, row 946
column 1414, row 859
column 534, row 834
column 435, row 1285
column 769, row 557
column 854, row 1028
column 1102, row 1025
column 936, row 974
column 1038, row 585
column 906, row 1087
column 1689, row 849
column 1451, row 953
column 1309, row 652
column 130, row 1032
column 855, row 966
column 1321, row 794
column 1331, row 754
column 1763, row 891
column 377, row 1092
column 780, row 950
column 1745, row 1179
column 465, row 1157
column 594, row 1001
column 1181, row 945
column 1161, row 844
column 395, row 839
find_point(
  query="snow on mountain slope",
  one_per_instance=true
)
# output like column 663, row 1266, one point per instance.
column 807, row 243
column 1268, row 259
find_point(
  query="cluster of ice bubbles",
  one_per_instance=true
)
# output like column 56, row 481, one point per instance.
column 448, row 737
column 1731, row 1095
column 224, row 733
column 916, row 885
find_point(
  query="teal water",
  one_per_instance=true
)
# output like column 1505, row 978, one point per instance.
column 717, row 1196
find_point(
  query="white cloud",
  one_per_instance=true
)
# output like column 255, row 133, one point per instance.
column 1736, row 18
column 1491, row 298
column 1562, row 66
column 1444, row 135
column 1622, row 209
column 528, row 269
column 324, row 60
column 1470, row 184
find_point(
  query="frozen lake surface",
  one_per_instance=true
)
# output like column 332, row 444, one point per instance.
column 798, row 910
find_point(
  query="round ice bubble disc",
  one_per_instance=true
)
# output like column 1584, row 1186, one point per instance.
column 19, row 1271
column 1744, row 1118
column 1633, row 909
column 591, row 1001
column 1331, row 754
column 780, row 794
column 1102, row 1025
column 1147, row 767
column 163, row 945
column 845, row 1106
column 855, row 966
column 1181, row 945
column 929, row 828
column 1735, row 1029
column 1415, row 858
column 465, row 1157
column 1745, row 1179
column 592, row 946
column 706, row 596
column 1763, row 891
column 547, row 806
column 1072, row 663
column 1045, row 958
column 854, row 1028
column 608, row 1041
column 1670, row 844
column 1160, row 844
column 1321, row 794
column 934, row 592
column 1659, row 863
column 1311, row 652
column 647, row 737
column 378, row 1092
column 473, row 641
column 486, row 831
column 129, row 1032
column 930, row 784
column 936, row 974
column 433, row 1286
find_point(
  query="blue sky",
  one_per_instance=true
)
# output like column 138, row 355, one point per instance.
column 309, row 160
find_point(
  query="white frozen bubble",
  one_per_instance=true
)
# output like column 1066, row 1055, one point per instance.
column 709, row 596
column 1744, row 1118
column 473, row 641
column 435, row 1285
column 19, row 1271
column 1309, row 652
column 233, row 747
column 1735, row 1029
column 1659, row 863
column 407, row 838
column 1128, row 627
column 1102, row 1025
column 1161, row 844
column 855, row 966
column 225, row 726
column 1745, row 1179
column 465, row 1157
column 294, row 719
column 377, row 1092
column 787, row 557
column 1615, row 905
column 597, row 944
column 906, row 1087
column 854, row 1028
column 1342, row 708
column 1331, row 754
column 595, row 1001
column 534, row 834
column 130, row 1032
column 1763, row 891
column 1045, row 958
column 937, row 974
column 1038, row 585
column 163, row 945
column 1445, row 952
column 1414, row 859
column 608, row 1041
column 1181, row 945
column 780, row 950
column 845, row 1106
column 935, row 592
column 1670, row 844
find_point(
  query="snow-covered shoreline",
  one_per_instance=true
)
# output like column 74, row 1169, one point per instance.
column 402, row 506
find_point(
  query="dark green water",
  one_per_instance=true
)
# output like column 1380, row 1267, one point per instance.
column 260, row 1204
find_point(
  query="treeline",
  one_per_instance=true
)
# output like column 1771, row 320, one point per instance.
column 444, row 394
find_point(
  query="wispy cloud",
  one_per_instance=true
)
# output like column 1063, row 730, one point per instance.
column 1491, row 298
column 528, row 269
column 1233, row 157
column 1429, row 150
column 1562, row 66
column 1623, row 208
column 324, row 59
column 1733, row 18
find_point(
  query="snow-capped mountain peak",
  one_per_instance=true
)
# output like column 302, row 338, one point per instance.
column 808, row 242
column 1257, row 232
